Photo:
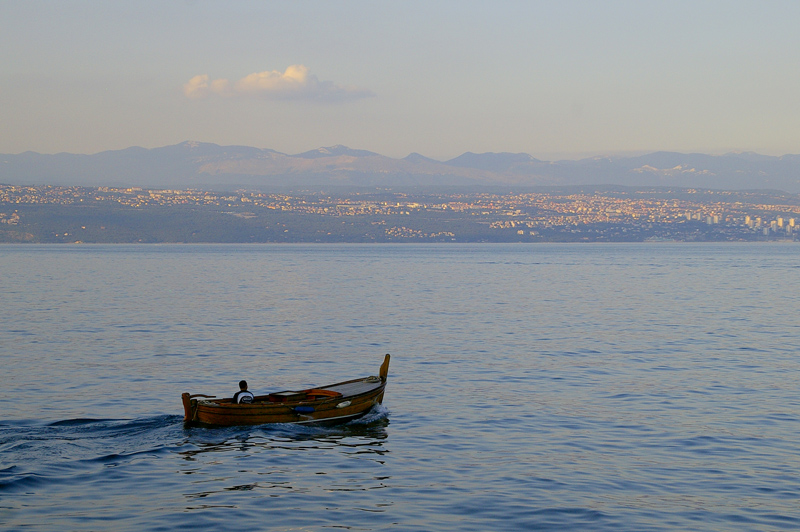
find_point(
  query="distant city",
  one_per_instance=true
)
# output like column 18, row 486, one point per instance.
column 56, row 214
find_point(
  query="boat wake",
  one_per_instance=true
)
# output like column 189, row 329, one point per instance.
column 58, row 451
column 377, row 413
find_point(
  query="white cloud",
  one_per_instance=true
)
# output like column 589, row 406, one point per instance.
column 197, row 87
column 296, row 83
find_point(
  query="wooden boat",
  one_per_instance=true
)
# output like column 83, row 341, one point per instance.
column 335, row 403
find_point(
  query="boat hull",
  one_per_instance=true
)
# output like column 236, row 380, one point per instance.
column 331, row 404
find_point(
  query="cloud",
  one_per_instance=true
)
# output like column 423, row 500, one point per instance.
column 197, row 87
column 296, row 83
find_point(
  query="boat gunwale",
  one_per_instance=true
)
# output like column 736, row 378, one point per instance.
column 262, row 401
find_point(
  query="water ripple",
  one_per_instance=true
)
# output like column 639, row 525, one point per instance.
column 624, row 388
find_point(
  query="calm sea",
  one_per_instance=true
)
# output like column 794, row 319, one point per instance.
column 532, row 387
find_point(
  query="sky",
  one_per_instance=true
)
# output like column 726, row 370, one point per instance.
column 555, row 79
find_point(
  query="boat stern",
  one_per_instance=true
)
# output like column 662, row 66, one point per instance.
column 189, row 407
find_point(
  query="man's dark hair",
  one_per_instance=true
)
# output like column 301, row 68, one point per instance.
column 242, row 385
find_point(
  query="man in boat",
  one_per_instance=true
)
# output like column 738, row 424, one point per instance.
column 243, row 395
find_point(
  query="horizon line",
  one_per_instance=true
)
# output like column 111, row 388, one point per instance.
column 545, row 157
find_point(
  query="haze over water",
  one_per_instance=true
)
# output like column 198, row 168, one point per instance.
column 551, row 387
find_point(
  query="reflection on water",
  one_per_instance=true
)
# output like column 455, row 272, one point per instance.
column 283, row 460
column 363, row 437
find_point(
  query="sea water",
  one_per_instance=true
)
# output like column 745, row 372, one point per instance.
column 624, row 387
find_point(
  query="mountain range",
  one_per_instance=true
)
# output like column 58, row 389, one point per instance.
column 210, row 166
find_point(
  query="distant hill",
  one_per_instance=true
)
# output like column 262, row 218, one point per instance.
column 197, row 164
column 335, row 151
column 495, row 162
